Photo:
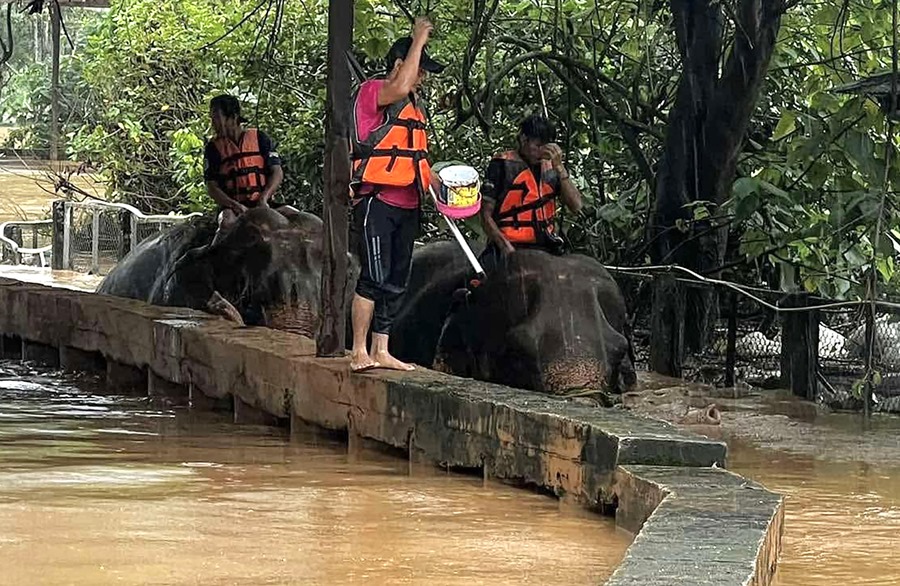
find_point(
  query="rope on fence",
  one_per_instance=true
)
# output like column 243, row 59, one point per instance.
column 745, row 291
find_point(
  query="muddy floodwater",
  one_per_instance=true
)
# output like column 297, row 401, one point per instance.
column 842, row 519
column 28, row 193
column 840, row 476
column 98, row 489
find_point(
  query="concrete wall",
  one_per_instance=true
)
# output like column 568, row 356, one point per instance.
column 655, row 473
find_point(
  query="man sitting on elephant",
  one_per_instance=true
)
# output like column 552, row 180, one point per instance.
column 520, row 192
column 241, row 168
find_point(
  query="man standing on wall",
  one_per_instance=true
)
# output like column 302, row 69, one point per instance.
column 391, row 174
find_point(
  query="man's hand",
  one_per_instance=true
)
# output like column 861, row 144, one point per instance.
column 555, row 154
column 422, row 30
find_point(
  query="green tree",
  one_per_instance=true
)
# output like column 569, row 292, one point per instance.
column 704, row 133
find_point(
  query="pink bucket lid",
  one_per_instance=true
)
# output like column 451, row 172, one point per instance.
column 458, row 213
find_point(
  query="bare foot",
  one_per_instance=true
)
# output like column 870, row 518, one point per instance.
column 220, row 305
column 361, row 362
column 385, row 360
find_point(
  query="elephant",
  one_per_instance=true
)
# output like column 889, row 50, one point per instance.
column 540, row 322
column 265, row 270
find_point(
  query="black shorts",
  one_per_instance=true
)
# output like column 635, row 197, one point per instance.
column 383, row 238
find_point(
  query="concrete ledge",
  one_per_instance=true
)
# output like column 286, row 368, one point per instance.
column 10, row 347
column 699, row 526
column 596, row 456
column 44, row 354
column 125, row 379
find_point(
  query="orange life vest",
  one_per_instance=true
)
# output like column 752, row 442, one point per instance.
column 527, row 203
column 396, row 152
column 242, row 170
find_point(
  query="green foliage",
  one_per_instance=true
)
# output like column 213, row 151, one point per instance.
column 809, row 186
column 25, row 79
column 814, row 180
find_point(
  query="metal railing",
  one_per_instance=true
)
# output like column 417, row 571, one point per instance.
column 95, row 234
column 87, row 236
column 13, row 238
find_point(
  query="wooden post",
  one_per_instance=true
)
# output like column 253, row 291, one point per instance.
column 871, row 350
column 731, row 347
column 331, row 338
column 667, row 327
column 95, row 242
column 125, row 230
column 59, row 220
column 54, row 82
column 800, row 347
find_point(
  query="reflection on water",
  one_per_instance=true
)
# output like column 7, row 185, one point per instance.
column 44, row 276
column 842, row 516
column 99, row 490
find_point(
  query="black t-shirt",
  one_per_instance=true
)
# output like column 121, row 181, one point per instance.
column 212, row 159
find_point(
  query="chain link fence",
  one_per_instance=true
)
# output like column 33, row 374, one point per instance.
column 87, row 237
column 765, row 339
column 95, row 235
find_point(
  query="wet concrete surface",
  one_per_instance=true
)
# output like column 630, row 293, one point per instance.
column 44, row 276
column 839, row 473
column 711, row 527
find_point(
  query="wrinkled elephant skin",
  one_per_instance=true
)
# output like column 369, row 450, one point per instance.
column 267, row 266
column 538, row 322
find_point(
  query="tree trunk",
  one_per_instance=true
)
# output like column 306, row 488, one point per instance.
column 330, row 339
column 706, row 130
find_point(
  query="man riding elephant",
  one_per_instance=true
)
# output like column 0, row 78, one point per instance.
column 520, row 194
column 240, row 165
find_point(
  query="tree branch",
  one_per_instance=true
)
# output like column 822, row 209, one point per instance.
column 627, row 133
column 7, row 50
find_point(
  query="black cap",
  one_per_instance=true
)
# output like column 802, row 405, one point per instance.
column 399, row 50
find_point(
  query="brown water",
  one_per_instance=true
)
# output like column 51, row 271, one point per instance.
column 45, row 276
column 840, row 476
column 97, row 489
column 842, row 511
column 27, row 194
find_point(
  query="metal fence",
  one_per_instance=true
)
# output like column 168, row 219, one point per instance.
column 89, row 236
column 770, row 339
column 26, row 242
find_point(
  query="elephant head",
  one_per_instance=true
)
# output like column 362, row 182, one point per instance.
column 539, row 321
